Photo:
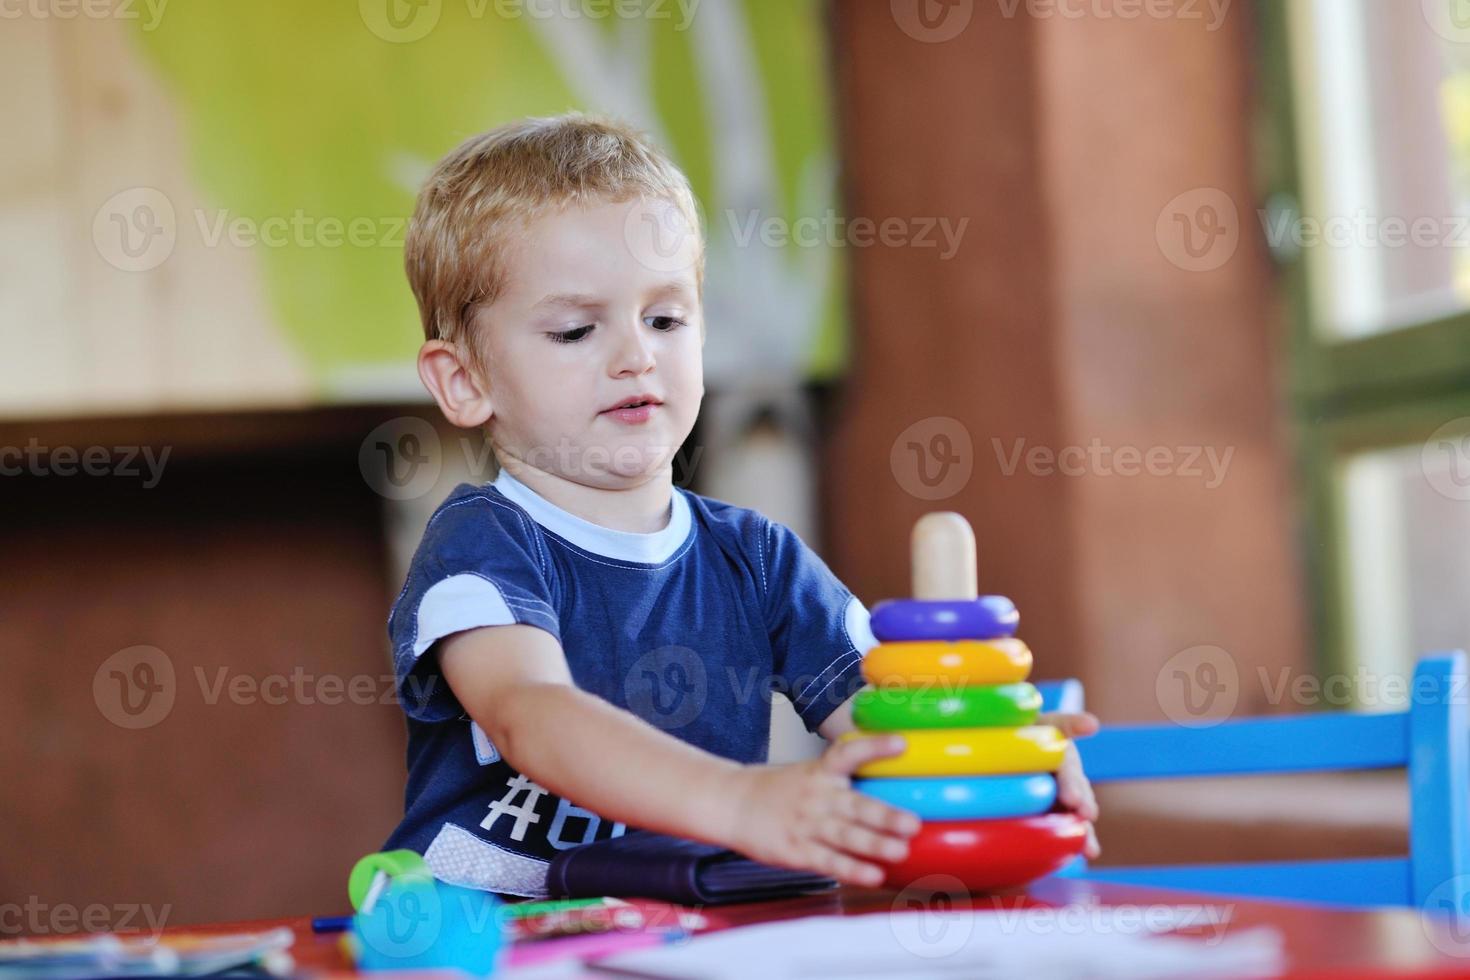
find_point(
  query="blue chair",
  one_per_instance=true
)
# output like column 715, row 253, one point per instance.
column 1061, row 695
column 1430, row 740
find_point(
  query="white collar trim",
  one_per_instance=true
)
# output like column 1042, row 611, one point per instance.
column 652, row 548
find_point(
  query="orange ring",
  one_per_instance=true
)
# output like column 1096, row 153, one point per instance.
column 948, row 663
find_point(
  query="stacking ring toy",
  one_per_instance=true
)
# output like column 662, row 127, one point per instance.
column 965, row 797
column 982, row 618
column 990, row 854
column 408, row 921
column 961, row 663
column 402, row 864
column 888, row 709
column 971, row 752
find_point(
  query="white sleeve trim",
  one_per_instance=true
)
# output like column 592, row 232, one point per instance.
column 859, row 631
column 485, row 750
column 460, row 602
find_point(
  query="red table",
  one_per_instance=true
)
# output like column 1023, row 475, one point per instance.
column 1320, row 942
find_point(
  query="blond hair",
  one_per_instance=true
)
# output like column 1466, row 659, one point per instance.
column 491, row 186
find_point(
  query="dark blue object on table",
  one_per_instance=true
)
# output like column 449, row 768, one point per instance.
column 671, row 869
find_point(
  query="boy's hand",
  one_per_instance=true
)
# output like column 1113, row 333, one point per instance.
column 1073, row 789
column 807, row 815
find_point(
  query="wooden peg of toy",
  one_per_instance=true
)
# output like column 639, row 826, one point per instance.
column 943, row 557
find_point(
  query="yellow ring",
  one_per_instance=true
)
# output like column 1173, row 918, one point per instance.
column 954, row 663
column 971, row 752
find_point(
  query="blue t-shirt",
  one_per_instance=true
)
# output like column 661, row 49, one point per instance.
column 691, row 628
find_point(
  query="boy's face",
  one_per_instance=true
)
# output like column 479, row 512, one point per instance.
column 583, row 327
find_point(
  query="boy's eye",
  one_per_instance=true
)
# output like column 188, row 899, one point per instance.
column 571, row 336
column 664, row 323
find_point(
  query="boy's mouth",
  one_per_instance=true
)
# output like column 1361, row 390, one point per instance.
column 634, row 409
column 636, row 401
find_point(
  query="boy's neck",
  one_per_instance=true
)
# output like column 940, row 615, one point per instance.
column 643, row 509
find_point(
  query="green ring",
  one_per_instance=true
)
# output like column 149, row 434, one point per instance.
column 892, row 709
column 395, row 864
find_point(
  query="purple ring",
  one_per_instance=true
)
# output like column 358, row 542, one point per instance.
column 985, row 618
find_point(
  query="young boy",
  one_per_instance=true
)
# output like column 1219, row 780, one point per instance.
column 580, row 646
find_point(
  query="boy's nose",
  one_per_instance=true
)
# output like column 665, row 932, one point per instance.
column 633, row 355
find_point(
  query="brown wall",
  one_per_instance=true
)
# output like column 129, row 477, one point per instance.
column 252, row 562
column 1060, row 320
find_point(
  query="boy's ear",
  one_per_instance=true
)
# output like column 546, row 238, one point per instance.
column 459, row 392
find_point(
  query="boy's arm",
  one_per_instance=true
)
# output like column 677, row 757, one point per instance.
column 515, row 682
column 839, row 722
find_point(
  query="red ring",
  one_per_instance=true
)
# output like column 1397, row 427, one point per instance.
column 987, row 855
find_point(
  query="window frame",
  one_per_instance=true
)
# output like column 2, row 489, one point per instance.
column 1345, row 395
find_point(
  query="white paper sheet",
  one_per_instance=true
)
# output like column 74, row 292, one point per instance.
column 1038, row 943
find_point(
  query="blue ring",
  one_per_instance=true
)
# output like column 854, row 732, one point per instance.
column 985, row 618
column 965, row 797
